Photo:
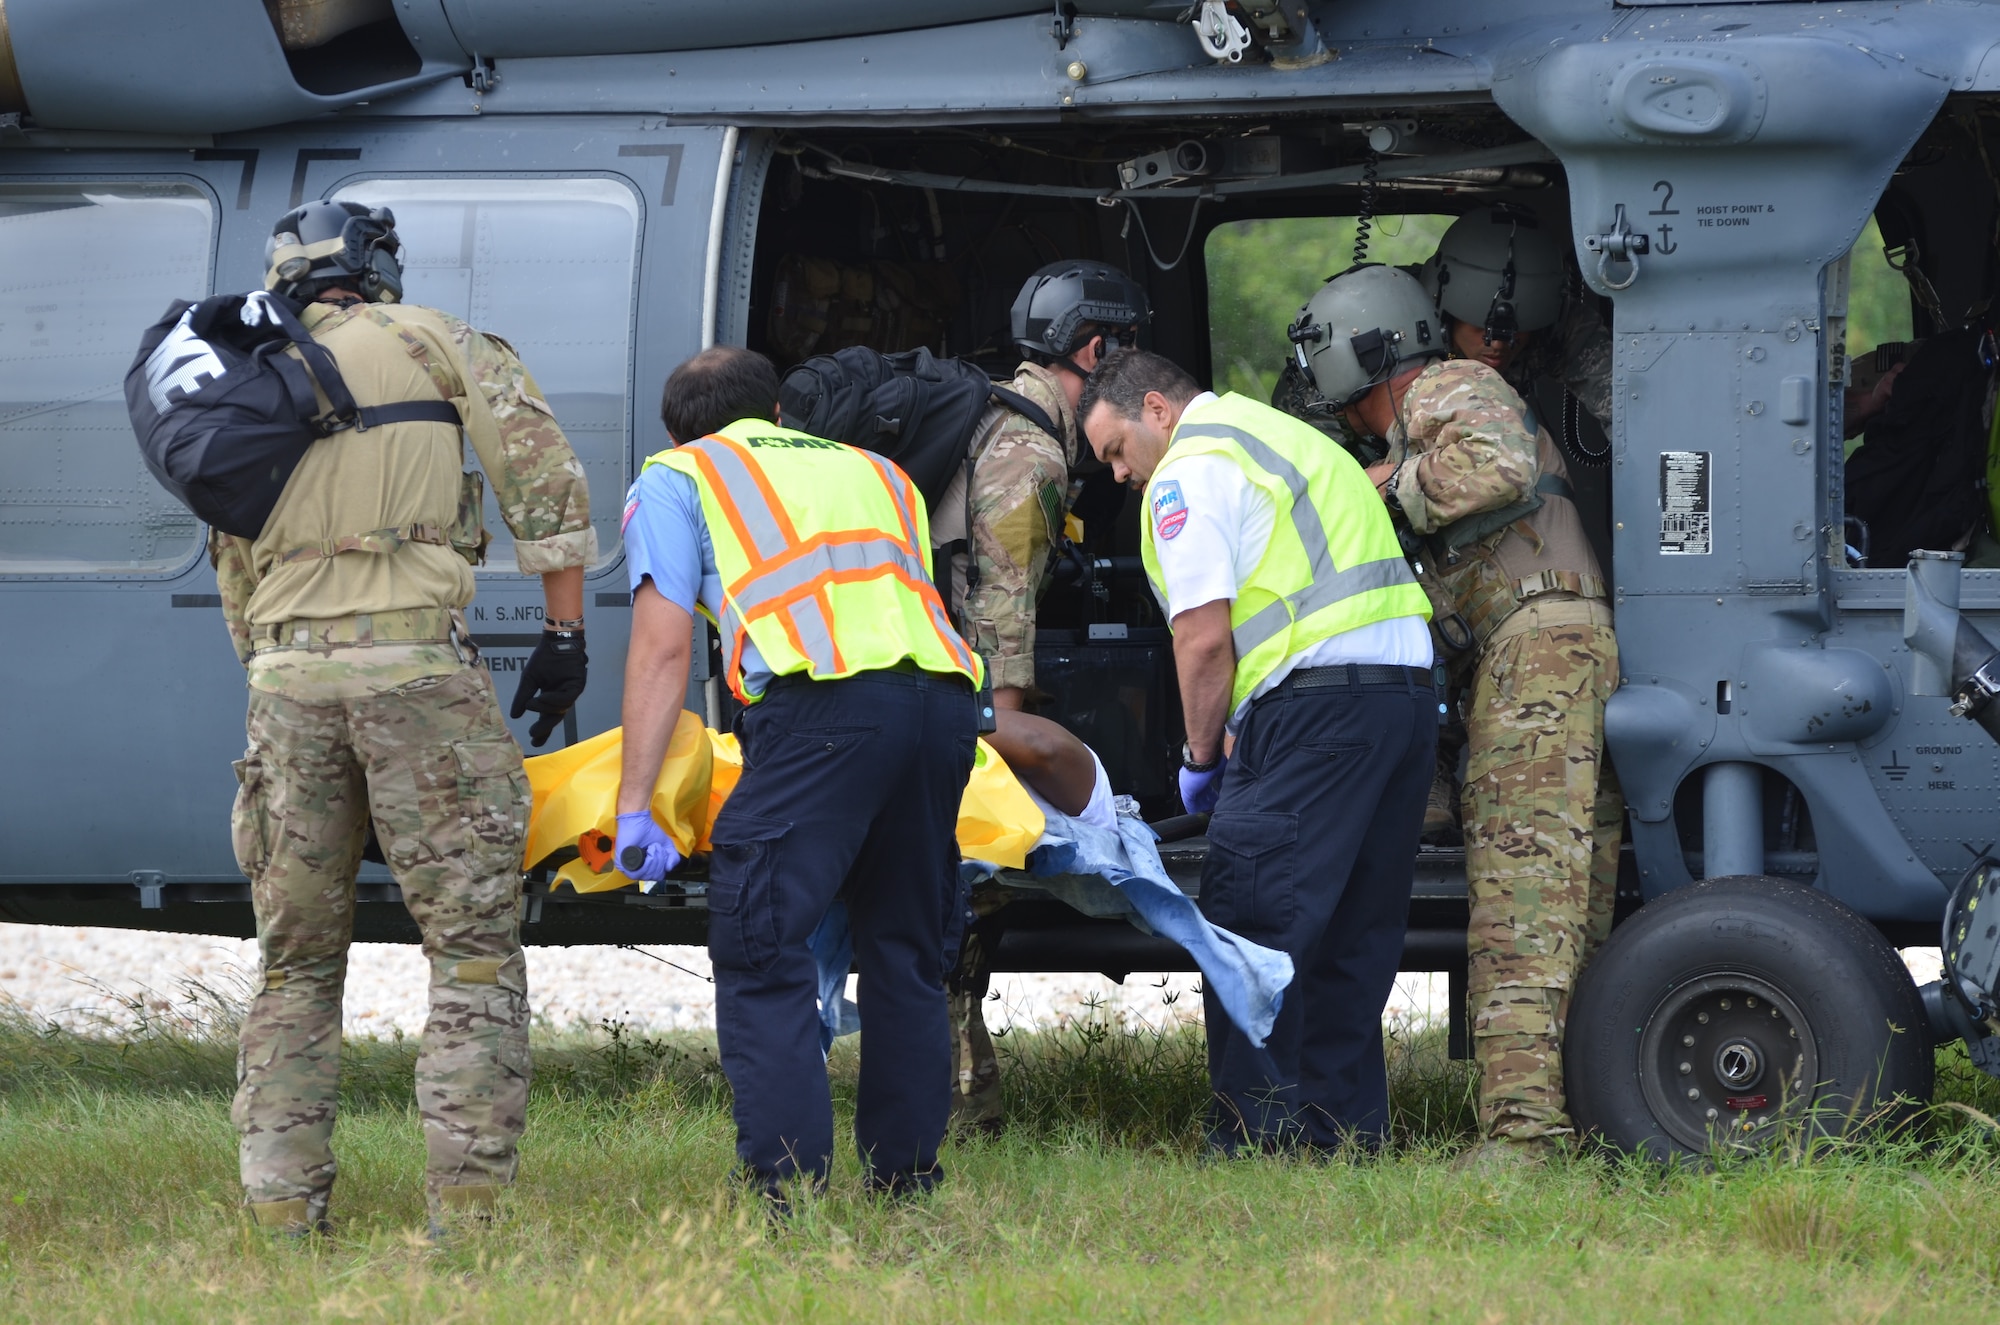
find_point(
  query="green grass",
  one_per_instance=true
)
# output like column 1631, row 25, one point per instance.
column 118, row 1202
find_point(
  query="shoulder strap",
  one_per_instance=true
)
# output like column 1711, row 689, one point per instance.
column 345, row 413
column 1027, row 409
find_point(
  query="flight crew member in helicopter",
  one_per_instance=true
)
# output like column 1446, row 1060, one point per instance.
column 1068, row 315
column 366, row 701
column 858, row 732
column 1299, row 627
column 1500, row 282
column 1487, row 492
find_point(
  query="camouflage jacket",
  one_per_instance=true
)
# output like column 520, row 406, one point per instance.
column 1463, row 445
column 1577, row 353
column 323, row 555
column 1020, row 491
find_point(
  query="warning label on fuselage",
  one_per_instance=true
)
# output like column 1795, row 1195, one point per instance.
column 1685, row 529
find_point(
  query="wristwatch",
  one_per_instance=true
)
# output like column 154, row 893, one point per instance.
column 1188, row 762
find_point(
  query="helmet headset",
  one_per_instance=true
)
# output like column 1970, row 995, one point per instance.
column 1360, row 329
column 1499, row 271
column 324, row 244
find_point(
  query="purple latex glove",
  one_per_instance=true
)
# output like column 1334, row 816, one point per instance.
column 645, row 851
column 1199, row 791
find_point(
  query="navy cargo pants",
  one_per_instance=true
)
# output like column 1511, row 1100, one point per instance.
column 850, row 788
column 1312, row 849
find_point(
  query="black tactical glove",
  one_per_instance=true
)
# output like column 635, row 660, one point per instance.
column 552, row 682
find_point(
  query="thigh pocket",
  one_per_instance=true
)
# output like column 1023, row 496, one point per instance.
column 493, row 804
column 1249, row 886
column 250, row 821
column 1528, row 817
column 743, row 876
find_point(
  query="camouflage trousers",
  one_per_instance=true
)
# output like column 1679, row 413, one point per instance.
column 975, row 1066
column 1543, row 821
column 442, row 778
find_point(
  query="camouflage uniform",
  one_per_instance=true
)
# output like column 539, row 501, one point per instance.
column 975, row 1065
column 1020, row 491
column 1577, row 353
column 365, row 703
column 1541, row 811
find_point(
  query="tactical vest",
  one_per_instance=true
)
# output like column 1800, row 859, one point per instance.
column 1491, row 562
column 367, row 524
column 823, row 551
column 1333, row 563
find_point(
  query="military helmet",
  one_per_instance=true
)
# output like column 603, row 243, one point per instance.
column 1065, row 299
column 1497, row 269
column 1360, row 329
column 335, row 243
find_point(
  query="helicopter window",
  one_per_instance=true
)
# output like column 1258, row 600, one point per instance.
column 548, row 265
column 1878, row 297
column 82, row 267
column 1261, row 272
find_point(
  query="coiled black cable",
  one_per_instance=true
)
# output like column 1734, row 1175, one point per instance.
column 1365, row 221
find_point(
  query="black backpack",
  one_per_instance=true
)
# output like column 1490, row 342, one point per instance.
column 223, row 415
column 1919, row 478
column 913, row 408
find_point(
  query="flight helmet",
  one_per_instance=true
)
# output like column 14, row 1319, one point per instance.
column 335, row 243
column 1499, row 270
column 1066, row 303
column 1361, row 328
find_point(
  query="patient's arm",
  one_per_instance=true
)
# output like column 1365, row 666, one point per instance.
column 1056, row 764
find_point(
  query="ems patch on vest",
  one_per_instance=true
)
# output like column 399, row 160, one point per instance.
column 1170, row 513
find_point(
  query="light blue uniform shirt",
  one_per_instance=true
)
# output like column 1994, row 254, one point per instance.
column 667, row 542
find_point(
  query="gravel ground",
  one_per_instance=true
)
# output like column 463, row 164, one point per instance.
column 85, row 978
column 100, row 978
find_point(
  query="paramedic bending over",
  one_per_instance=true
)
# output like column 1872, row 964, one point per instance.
column 1298, row 625
column 858, row 738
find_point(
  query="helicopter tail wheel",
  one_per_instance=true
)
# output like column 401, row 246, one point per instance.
column 1740, row 1011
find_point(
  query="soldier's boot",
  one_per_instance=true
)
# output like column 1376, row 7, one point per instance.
column 455, row 1209
column 975, row 1069
column 299, row 1217
column 1499, row 1155
column 1441, row 823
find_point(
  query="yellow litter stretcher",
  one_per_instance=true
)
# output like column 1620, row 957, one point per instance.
column 576, row 792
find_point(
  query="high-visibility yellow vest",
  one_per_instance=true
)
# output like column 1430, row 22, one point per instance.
column 1333, row 563
column 822, row 553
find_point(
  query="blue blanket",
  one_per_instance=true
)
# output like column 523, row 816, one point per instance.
column 1100, row 873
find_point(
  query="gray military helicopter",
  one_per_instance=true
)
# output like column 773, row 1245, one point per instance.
column 612, row 185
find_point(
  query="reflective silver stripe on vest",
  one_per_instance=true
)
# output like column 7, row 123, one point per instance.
column 899, row 488
column 815, row 636
column 1328, row 585
column 741, row 490
column 948, row 632
column 875, row 553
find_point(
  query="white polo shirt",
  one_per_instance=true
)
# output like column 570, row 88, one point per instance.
column 1209, row 532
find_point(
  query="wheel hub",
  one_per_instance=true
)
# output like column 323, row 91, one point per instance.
column 1722, row 1057
column 1738, row 1064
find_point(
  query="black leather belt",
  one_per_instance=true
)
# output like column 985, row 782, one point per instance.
column 904, row 672
column 1351, row 675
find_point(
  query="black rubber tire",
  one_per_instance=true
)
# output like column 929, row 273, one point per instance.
column 1863, row 1028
